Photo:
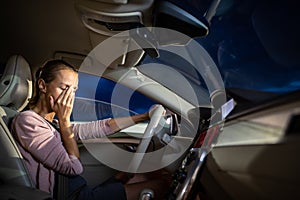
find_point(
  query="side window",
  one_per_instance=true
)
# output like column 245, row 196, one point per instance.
column 100, row 98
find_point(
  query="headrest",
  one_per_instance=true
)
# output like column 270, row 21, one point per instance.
column 16, row 83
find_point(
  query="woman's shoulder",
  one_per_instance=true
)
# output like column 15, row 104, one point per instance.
column 29, row 116
column 28, row 113
column 30, row 120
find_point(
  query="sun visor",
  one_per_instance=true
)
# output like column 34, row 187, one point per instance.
column 108, row 18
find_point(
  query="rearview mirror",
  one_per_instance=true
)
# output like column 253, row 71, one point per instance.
column 169, row 15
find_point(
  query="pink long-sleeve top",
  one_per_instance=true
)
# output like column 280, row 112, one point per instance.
column 41, row 147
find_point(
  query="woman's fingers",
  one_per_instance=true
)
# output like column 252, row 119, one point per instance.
column 60, row 98
column 65, row 98
column 68, row 97
column 63, row 106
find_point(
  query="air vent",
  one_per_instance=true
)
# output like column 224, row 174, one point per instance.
column 113, row 1
column 109, row 23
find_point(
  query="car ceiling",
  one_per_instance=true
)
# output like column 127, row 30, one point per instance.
column 40, row 30
column 37, row 29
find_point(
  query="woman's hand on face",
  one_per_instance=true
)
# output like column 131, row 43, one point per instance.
column 63, row 105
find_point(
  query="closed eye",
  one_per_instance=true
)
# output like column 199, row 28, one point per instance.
column 63, row 88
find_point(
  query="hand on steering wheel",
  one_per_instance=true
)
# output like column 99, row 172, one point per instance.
column 153, row 108
column 155, row 114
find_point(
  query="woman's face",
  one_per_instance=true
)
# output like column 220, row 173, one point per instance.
column 64, row 79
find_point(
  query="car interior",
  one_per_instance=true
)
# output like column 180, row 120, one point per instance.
column 16, row 89
column 253, row 154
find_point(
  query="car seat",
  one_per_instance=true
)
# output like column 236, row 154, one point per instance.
column 16, row 83
column 15, row 91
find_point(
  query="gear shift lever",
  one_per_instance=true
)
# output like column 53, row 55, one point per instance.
column 147, row 194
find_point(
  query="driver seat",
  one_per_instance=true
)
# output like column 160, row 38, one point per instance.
column 15, row 91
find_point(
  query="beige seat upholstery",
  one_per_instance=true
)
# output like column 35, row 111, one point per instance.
column 15, row 91
column 16, row 83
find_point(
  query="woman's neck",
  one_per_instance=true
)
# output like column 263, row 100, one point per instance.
column 42, row 111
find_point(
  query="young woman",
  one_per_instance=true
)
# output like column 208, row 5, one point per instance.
column 48, row 150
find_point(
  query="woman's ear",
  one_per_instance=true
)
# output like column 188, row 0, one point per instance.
column 42, row 85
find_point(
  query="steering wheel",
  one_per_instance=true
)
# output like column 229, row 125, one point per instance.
column 148, row 134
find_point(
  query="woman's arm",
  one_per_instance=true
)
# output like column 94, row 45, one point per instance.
column 68, row 138
column 63, row 107
column 44, row 144
column 101, row 128
column 117, row 124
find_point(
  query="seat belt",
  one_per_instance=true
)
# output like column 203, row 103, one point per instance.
column 61, row 180
column 61, row 187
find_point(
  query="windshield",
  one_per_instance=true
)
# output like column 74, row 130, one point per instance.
column 255, row 46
